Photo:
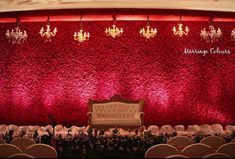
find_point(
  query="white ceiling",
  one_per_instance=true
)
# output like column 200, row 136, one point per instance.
column 209, row 5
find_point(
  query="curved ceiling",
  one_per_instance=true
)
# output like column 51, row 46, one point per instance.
column 208, row 5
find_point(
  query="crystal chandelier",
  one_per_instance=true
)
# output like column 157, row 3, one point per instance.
column 148, row 32
column 81, row 36
column 233, row 35
column 47, row 33
column 114, row 31
column 180, row 32
column 212, row 35
column 16, row 36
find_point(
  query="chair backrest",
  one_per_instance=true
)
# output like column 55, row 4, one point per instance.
column 49, row 128
column 41, row 151
column 2, row 141
column 217, row 128
column 167, row 129
column 213, row 141
column 3, row 127
column 33, row 127
column 59, row 127
column 228, row 149
column 12, row 127
column 229, row 128
column 180, row 142
column 197, row 150
column 22, row 155
column 177, row 156
column 216, row 155
column 205, row 128
column 8, row 149
column 22, row 142
column 233, row 140
column 193, row 128
column 179, row 128
column 153, row 128
column 160, row 151
column 22, row 130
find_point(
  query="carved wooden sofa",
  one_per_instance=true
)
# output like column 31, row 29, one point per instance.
column 116, row 112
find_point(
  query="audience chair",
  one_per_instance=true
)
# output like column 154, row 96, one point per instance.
column 2, row 141
column 41, row 151
column 179, row 128
column 216, row 155
column 22, row 142
column 233, row 140
column 228, row 149
column 154, row 129
column 197, row 150
column 214, row 142
column 217, row 129
column 22, row 155
column 8, row 150
column 177, row 156
column 167, row 129
column 180, row 142
column 205, row 128
column 161, row 151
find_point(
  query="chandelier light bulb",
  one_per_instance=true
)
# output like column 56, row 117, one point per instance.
column 233, row 35
column 48, row 33
column 16, row 36
column 180, row 32
column 81, row 36
column 114, row 31
column 148, row 32
column 212, row 35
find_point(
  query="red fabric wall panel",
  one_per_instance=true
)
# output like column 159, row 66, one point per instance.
column 59, row 77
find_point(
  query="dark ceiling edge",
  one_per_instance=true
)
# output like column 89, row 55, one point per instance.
column 117, row 11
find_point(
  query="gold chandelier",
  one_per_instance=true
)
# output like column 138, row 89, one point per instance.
column 81, row 36
column 180, row 32
column 48, row 33
column 212, row 35
column 16, row 36
column 233, row 35
column 148, row 32
column 114, row 31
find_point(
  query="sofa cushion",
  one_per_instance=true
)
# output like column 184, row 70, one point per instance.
column 116, row 121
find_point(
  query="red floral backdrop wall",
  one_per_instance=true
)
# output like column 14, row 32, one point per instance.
column 59, row 77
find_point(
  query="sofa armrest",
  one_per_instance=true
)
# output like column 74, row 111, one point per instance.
column 142, row 118
column 89, row 114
